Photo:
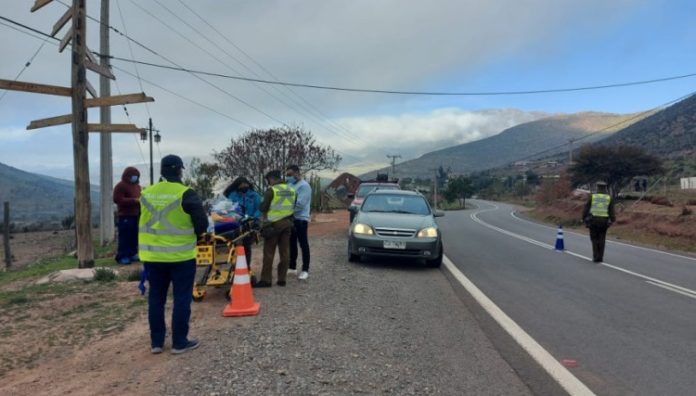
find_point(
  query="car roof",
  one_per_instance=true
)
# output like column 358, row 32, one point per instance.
column 396, row 192
column 379, row 184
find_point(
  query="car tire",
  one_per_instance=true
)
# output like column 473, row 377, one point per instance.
column 436, row 263
column 352, row 258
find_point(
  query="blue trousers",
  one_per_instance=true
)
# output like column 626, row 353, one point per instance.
column 181, row 275
column 127, row 237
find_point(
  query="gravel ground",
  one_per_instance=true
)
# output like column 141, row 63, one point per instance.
column 369, row 328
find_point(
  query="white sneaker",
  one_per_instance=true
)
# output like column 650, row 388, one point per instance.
column 303, row 275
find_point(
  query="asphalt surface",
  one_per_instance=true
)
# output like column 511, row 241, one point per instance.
column 630, row 323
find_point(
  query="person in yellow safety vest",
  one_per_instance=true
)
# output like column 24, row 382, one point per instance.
column 598, row 215
column 171, row 218
column 277, row 208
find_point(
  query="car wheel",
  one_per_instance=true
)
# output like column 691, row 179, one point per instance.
column 436, row 263
column 353, row 258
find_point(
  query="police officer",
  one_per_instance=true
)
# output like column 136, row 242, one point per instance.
column 277, row 208
column 598, row 215
column 172, row 216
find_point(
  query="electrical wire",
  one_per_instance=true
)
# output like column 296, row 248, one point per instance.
column 130, row 49
column 26, row 65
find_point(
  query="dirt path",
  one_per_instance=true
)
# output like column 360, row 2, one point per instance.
column 364, row 328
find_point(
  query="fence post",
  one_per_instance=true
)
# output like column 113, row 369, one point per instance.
column 6, row 235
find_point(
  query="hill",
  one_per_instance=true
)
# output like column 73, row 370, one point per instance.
column 36, row 197
column 669, row 133
column 510, row 145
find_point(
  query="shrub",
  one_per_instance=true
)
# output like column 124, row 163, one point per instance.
column 104, row 275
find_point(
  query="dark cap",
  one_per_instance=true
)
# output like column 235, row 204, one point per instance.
column 275, row 174
column 172, row 162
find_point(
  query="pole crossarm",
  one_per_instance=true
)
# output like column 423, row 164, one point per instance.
column 35, row 88
column 61, row 22
column 115, row 128
column 118, row 100
column 99, row 69
column 49, row 122
column 39, row 4
column 90, row 89
column 66, row 40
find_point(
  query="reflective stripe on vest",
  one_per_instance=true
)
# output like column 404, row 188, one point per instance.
column 165, row 231
column 600, row 205
column 283, row 203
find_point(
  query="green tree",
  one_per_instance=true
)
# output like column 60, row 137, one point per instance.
column 616, row 165
column 458, row 188
column 202, row 177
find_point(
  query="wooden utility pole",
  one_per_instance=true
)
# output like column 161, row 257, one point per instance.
column 6, row 235
column 106, row 171
column 80, row 132
column 152, row 167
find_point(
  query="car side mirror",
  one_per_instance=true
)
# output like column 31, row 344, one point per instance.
column 438, row 213
column 351, row 195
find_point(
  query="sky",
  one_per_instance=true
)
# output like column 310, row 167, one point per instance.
column 437, row 45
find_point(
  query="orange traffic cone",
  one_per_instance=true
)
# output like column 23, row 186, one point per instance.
column 242, row 299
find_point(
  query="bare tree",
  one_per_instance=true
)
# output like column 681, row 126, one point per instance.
column 259, row 151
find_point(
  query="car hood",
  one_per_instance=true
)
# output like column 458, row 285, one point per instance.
column 396, row 220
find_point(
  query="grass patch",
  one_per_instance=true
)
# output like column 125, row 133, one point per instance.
column 47, row 266
column 104, row 275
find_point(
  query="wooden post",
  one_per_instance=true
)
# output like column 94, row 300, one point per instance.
column 106, row 171
column 83, row 220
column 6, row 235
column 152, row 171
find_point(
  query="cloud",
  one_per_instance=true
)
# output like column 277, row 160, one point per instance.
column 391, row 44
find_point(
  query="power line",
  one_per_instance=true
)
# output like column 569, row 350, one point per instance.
column 26, row 65
column 364, row 90
column 130, row 49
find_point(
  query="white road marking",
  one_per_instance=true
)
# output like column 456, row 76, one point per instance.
column 556, row 370
column 671, row 289
column 667, row 286
column 608, row 240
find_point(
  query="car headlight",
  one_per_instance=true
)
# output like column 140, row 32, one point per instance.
column 363, row 229
column 430, row 232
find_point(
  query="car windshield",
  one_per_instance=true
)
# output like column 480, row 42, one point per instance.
column 388, row 203
column 364, row 190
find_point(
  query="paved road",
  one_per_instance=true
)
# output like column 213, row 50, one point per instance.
column 629, row 322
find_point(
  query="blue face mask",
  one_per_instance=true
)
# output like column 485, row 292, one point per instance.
column 291, row 179
column 134, row 179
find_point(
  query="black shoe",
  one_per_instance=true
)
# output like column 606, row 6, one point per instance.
column 263, row 284
column 280, row 283
column 596, row 260
column 190, row 345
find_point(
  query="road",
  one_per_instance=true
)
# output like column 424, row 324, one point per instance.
column 630, row 323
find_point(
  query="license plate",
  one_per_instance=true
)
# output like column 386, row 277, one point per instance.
column 394, row 245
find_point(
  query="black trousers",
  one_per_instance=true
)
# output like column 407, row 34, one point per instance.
column 598, row 235
column 299, row 235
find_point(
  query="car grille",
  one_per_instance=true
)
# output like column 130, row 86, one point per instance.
column 395, row 232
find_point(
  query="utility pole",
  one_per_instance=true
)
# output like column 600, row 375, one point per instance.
column 83, row 221
column 6, row 235
column 81, row 61
column 152, row 171
column 106, row 172
column 570, row 150
column 393, row 158
column 435, row 170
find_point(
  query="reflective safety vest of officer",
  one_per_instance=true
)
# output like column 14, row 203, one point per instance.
column 166, row 232
column 600, row 205
column 283, row 204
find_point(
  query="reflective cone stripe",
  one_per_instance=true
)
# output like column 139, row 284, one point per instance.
column 241, row 297
column 560, row 246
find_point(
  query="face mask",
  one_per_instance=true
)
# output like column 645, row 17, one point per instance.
column 291, row 179
column 134, row 179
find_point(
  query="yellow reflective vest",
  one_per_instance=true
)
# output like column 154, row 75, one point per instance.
column 283, row 203
column 600, row 205
column 165, row 233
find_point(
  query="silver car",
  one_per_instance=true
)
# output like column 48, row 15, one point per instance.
column 396, row 223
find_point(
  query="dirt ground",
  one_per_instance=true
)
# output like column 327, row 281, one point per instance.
column 30, row 247
column 366, row 328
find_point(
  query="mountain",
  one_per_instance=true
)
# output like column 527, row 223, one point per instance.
column 511, row 145
column 35, row 197
column 669, row 133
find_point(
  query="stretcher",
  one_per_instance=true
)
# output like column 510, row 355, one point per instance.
column 216, row 256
